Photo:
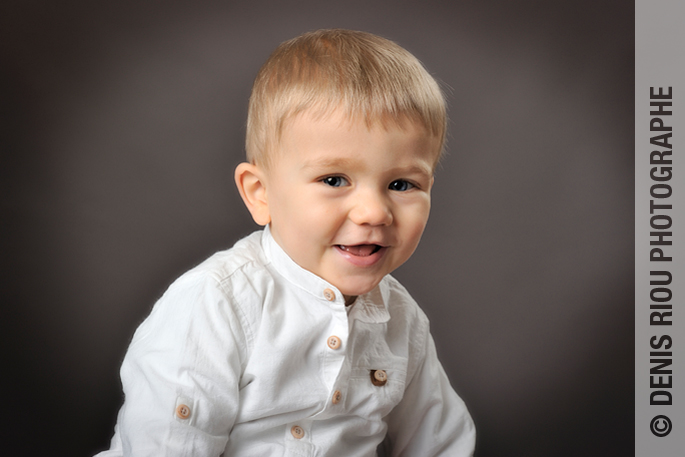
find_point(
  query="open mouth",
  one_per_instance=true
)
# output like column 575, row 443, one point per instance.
column 361, row 250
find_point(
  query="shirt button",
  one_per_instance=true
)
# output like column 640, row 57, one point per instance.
column 337, row 396
column 183, row 411
column 297, row 432
column 334, row 342
column 379, row 377
column 328, row 294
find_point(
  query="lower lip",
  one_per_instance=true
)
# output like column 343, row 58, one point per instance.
column 362, row 261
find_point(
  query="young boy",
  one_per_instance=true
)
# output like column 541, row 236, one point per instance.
column 297, row 341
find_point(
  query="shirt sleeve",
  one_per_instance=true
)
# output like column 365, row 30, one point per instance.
column 430, row 420
column 181, row 374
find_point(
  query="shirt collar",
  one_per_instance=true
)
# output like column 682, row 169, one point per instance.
column 370, row 307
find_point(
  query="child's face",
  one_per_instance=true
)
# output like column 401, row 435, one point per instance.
column 350, row 203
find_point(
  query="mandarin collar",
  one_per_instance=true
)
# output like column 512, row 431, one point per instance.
column 370, row 307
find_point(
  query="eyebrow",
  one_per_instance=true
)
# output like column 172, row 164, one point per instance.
column 336, row 162
column 413, row 169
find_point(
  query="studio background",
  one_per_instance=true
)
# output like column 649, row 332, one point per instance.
column 122, row 123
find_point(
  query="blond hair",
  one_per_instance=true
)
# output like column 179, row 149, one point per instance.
column 369, row 77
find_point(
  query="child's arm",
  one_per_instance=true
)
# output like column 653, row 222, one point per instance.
column 181, row 374
column 431, row 420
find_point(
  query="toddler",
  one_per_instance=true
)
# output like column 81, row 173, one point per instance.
column 297, row 341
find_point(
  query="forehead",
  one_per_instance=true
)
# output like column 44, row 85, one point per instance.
column 328, row 134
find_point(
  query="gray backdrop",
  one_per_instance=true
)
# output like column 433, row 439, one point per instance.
column 122, row 123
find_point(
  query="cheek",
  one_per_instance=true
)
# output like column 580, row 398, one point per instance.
column 289, row 205
column 319, row 214
column 303, row 216
column 414, row 224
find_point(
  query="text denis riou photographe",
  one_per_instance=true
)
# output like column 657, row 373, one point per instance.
column 660, row 258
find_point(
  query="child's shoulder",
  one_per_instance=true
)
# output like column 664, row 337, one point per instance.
column 245, row 255
column 236, row 276
column 227, row 288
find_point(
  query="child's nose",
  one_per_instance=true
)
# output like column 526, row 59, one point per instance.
column 371, row 208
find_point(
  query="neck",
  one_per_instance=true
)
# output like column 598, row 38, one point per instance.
column 349, row 299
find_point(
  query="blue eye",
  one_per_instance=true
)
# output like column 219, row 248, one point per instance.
column 400, row 185
column 334, row 181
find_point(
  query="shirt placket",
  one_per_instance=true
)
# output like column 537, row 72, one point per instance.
column 334, row 367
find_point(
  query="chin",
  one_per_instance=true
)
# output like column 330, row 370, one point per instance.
column 358, row 288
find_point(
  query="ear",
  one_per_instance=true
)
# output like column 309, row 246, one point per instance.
column 251, row 183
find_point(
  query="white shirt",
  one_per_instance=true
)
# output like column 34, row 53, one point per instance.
column 249, row 354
